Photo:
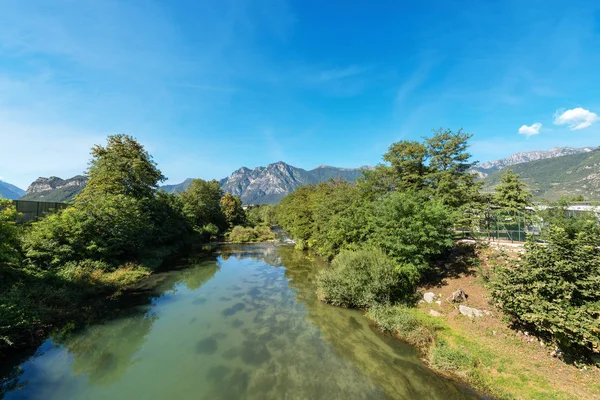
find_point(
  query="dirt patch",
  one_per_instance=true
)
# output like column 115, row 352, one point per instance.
column 517, row 352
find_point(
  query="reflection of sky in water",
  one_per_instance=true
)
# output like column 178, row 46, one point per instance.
column 233, row 329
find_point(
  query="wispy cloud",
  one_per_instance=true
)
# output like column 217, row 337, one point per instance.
column 576, row 118
column 531, row 130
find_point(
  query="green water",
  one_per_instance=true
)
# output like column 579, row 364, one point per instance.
column 242, row 324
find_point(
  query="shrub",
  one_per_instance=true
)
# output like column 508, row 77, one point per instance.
column 9, row 240
column 364, row 278
column 411, row 326
column 555, row 292
column 241, row 234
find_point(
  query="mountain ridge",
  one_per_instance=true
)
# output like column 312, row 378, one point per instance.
column 10, row 191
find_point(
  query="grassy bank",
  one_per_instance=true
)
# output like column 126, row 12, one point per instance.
column 35, row 302
column 485, row 352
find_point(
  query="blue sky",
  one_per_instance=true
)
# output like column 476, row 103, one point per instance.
column 210, row 86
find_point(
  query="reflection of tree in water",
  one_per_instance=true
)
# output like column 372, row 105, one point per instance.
column 376, row 355
column 268, row 253
column 199, row 273
column 105, row 352
column 11, row 380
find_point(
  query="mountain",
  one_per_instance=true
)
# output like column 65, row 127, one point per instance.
column 55, row 189
column 268, row 185
column 261, row 185
column 484, row 169
column 551, row 178
column 9, row 191
column 180, row 187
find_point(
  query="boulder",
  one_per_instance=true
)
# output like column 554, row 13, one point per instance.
column 429, row 297
column 434, row 313
column 470, row 312
column 458, row 297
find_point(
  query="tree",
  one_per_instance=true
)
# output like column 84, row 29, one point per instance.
column 439, row 165
column 9, row 240
column 123, row 167
column 201, row 203
column 555, row 291
column 231, row 207
column 407, row 161
column 118, row 217
column 512, row 194
column 448, row 176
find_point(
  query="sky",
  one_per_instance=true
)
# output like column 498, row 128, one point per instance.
column 210, row 86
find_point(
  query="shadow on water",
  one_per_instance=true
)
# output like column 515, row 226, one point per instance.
column 229, row 327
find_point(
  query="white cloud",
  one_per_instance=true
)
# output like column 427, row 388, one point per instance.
column 577, row 118
column 534, row 129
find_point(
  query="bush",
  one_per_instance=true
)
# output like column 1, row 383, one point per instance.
column 555, row 292
column 411, row 228
column 9, row 238
column 407, row 323
column 364, row 278
column 241, row 234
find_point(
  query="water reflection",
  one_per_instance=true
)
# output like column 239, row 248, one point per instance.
column 230, row 327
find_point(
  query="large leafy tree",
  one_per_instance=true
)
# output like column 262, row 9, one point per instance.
column 9, row 241
column 555, row 291
column 201, row 203
column 439, row 165
column 512, row 194
column 118, row 217
column 231, row 207
column 122, row 167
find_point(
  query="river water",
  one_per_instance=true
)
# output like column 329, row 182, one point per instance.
column 243, row 323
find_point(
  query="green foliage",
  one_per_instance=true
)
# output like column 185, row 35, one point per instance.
column 450, row 359
column 262, row 215
column 408, row 323
column 119, row 216
column 555, row 291
column 552, row 178
column 241, row 234
column 123, row 167
column 231, row 207
column 439, row 165
column 411, row 228
column 365, row 278
column 512, row 194
column 9, row 239
column 201, row 203
column 209, row 231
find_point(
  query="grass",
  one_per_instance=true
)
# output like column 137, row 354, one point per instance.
column 499, row 366
column 34, row 302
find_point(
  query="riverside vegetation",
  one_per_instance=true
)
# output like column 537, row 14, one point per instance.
column 385, row 236
column 389, row 233
column 67, row 266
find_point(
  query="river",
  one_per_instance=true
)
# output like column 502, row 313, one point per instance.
column 242, row 323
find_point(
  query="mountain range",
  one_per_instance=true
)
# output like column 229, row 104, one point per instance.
column 261, row 185
column 488, row 167
column 9, row 191
column 549, row 174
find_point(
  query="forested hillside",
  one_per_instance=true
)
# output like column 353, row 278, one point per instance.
column 552, row 178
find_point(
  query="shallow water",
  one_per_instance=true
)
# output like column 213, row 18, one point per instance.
column 242, row 324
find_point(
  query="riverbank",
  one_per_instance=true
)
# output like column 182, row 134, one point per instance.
column 484, row 351
column 36, row 302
